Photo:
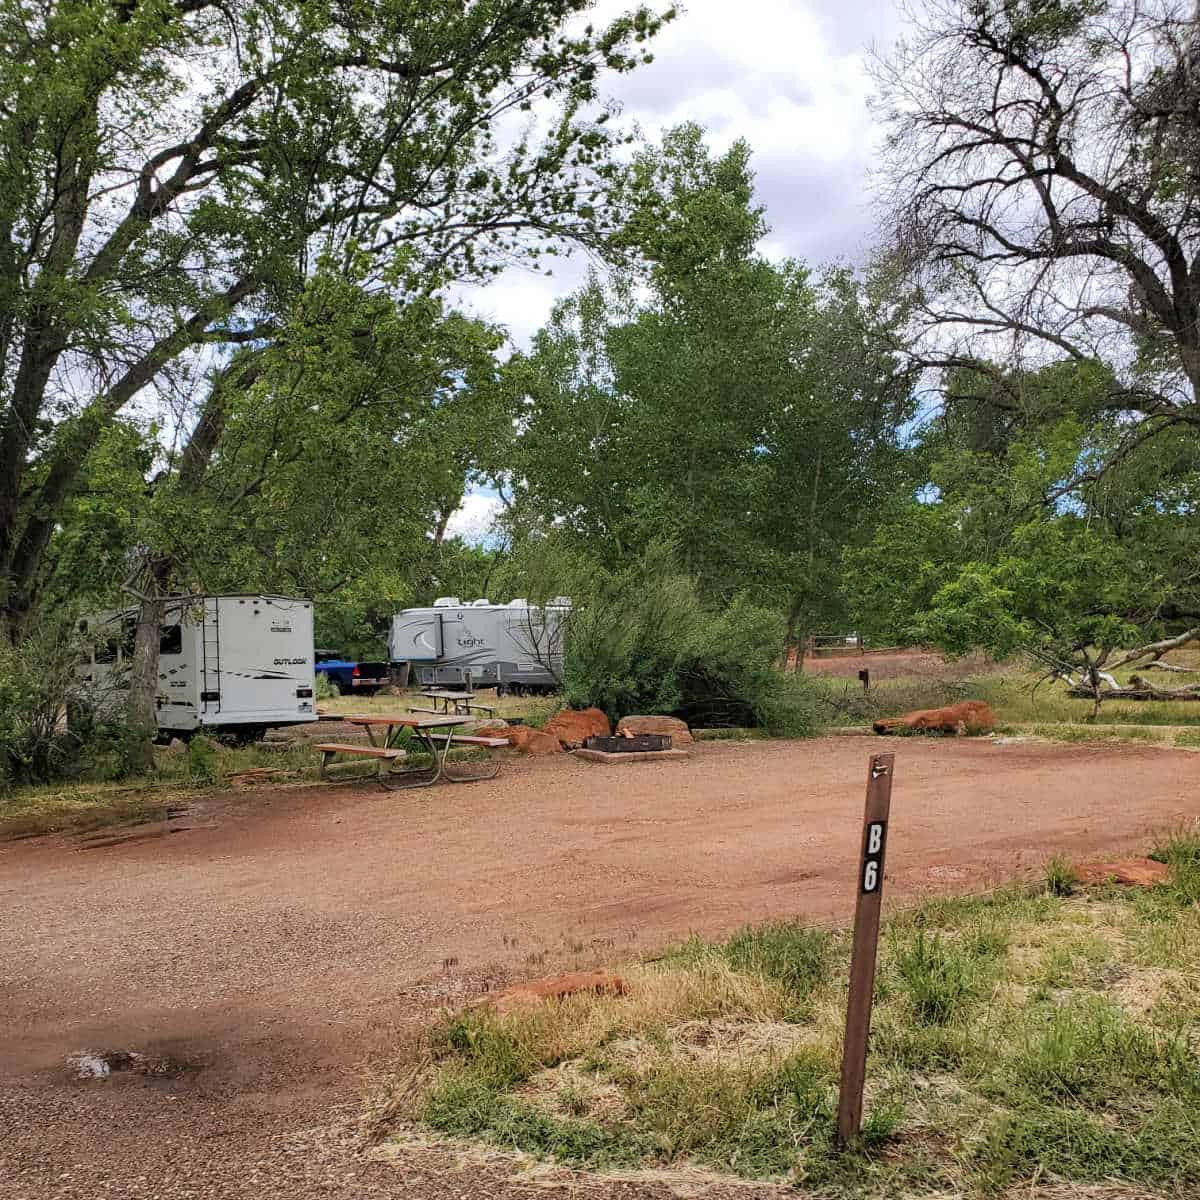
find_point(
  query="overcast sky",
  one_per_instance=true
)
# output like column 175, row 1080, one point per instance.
column 788, row 76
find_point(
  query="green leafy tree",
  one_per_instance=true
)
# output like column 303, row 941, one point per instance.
column 744, row 411
column 1068, row 595
column 171, row 169
column 1022, row 547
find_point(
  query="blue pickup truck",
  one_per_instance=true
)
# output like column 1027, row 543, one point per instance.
column 349, row 676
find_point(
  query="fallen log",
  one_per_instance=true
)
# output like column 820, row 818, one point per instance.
column 1138, row 689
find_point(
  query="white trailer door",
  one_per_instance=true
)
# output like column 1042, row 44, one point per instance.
column 257, row 660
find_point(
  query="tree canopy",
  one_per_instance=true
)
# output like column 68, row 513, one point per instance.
column 747, row 411
column 1043, row 192
column 172, row 172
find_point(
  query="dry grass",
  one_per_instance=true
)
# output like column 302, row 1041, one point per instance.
column 1023, row 1044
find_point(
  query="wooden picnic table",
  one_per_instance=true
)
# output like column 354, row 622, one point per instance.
column 443, row 698
column 425, row 729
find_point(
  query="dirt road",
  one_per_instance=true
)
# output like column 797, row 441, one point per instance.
column 265, row 959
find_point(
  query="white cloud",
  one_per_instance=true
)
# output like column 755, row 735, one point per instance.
column 788, row 76
column 520, row 299
column 474, row 518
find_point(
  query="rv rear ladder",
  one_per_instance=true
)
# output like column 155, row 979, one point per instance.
column 210, row 638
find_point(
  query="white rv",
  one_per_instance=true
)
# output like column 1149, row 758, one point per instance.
column 514, row 647
column 232, row 664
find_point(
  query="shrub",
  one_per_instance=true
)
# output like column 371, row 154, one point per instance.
column 1060, row 877
column 202, row 761
column 40, row 687
column 843, row 702
column 642, row 641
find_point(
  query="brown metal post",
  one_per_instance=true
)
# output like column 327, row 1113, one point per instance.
column 866, row 941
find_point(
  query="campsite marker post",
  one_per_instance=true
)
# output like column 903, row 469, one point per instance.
column 866, row 943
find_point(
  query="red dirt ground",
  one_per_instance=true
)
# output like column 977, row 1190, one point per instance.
column 291, row 942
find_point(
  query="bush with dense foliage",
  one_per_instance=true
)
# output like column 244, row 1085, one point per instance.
column 641, row 640
column 39, row 686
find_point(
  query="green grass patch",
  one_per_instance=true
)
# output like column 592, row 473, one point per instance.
column 1156, row 1148
column 180, row 775
column 1015, row 1037
column 939, row 979
column 1014, row 698
column 790, row 954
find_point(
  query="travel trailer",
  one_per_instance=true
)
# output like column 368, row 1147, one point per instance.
column 230, row 664
column 514, row 647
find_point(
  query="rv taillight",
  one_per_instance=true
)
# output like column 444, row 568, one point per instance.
column 356, row 672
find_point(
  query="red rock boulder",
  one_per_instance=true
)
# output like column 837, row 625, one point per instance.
column 971, row 716
column 572, row 725
column 541, row 742
column 522, row 996
column 679, row 733
column 531, row 741
column 1136, row 872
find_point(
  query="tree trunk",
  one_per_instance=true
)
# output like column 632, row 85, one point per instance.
column 801, row 637
column 1138, row 689
column 142, row 709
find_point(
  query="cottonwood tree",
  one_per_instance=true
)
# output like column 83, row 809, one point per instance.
column 171, row 170
column 1041, row 183
column 322, row 461
column 337, row 463
column 746, row 411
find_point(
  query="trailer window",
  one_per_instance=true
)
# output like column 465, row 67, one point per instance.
column 170, row 639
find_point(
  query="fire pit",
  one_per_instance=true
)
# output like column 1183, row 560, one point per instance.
column 639, row 744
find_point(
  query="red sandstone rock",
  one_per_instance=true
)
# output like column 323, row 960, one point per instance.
column 971, row 716
column 522, row 996
column 541, row 742
column 572, row 725
column 531, row 741
column 1137, row 872
column 680, row 734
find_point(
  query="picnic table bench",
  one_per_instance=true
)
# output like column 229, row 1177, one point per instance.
column 384, row 756
column 426, row 730
column 443, row 698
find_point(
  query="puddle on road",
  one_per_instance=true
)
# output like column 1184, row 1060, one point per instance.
column 101, row 1064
